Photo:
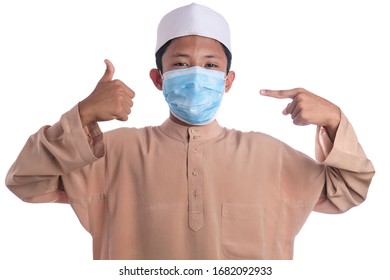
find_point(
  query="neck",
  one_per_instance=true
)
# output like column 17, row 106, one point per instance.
column 176, row 120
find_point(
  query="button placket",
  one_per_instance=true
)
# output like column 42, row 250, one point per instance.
column 195, row 178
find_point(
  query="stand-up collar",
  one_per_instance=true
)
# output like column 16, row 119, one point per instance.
column 191, row 133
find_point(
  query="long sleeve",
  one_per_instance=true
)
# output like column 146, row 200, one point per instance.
column 348, row 171
column 53, row 151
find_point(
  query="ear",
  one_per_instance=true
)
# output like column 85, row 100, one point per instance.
column 154, row 74
column 229, row 80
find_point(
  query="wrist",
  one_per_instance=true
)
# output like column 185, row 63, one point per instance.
column 333, row 124
column 84, row 115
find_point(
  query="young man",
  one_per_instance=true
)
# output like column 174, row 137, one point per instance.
column 191, row 189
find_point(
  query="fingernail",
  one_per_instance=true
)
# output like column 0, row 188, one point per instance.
column 262, row 92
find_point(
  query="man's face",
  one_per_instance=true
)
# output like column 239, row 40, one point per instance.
column 189, row 51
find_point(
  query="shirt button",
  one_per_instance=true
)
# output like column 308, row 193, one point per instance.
column 195, row 150
column 194, row 194
column 194, row 172
column 194, row 137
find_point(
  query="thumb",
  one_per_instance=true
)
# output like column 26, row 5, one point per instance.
column 286, row 110
column 109, row 73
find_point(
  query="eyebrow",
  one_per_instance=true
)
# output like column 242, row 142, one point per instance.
column 179, row 54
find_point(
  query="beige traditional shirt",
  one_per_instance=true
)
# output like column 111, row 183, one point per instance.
column 178, row 192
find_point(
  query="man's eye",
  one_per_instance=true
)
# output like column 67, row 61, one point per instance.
column 211, row 65
column 181, row 64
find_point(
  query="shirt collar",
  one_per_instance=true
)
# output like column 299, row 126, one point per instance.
column 191, row 133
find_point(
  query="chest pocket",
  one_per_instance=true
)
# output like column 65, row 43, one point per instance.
column 243, row 231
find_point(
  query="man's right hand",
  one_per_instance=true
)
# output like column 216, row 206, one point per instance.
column 111, row 99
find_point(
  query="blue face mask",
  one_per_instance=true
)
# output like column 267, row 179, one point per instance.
column 194, row 94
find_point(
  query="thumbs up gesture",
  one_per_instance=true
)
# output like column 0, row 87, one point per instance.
column 111, row 99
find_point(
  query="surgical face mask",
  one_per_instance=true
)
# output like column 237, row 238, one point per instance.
column 194, row 94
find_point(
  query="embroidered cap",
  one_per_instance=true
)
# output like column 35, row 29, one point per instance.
column 193, row 19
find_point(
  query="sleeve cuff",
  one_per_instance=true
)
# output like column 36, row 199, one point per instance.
column 88, row 140
column 324, row 144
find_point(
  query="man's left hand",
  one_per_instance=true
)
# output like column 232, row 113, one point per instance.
column 308, row 108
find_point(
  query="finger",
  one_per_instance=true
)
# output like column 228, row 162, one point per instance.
column 128, row 97
column 109, row 73
column 291, row 108
column 286, row 110
column 128, row 103
column 127, row 109
column 130, row 92
column 297, row 113
column 280, row 94
column 123, row 115
column 299, row 120
column 123, row 118
column 294, row 109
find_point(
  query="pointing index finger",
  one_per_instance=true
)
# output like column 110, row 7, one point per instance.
column 281, row 94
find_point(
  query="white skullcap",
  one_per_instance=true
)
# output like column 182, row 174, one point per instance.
column 193, row 19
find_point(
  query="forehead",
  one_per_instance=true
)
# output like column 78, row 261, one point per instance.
column 195, row 45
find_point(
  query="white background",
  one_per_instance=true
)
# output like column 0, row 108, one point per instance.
column 51, row 57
